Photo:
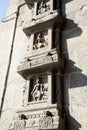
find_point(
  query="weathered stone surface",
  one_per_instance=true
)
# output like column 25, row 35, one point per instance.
column 43, row 62
column 46, row 117
column 74, row 49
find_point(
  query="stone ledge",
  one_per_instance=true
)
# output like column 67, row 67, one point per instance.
column 40, row 63
column 47, row 118
column 47, row 19
column 42, row 119
column 33, row 108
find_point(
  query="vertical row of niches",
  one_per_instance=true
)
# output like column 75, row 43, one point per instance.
column 43, row 29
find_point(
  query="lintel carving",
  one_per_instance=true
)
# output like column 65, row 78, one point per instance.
column 39, row 91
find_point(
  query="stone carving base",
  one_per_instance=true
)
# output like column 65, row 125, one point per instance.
column 40, row 63
column 44, row 118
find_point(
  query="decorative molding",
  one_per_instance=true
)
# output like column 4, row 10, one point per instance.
column 34, row 64
column 43, row 119
column 19, row 123
column 30, row 27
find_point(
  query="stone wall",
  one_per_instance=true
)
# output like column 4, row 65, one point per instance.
column 12, row 51
column 74, row 48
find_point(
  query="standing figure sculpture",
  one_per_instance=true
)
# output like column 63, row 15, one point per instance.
column 37, row 91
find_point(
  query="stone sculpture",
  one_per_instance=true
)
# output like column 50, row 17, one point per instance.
column 39, row 91
column 18, row 124
column 46, row 121
column 43, row 7
column 40, row 41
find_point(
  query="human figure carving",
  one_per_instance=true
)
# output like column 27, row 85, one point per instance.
column 37, row 91
column 46, row 121
column 40, row 41
column 19, row 123
column 42, row 7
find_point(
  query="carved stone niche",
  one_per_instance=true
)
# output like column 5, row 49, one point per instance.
column 43, row 12
column 43, row 39
column 42, row 6
column 41, row 118
column 41, row 42
column 38, row 90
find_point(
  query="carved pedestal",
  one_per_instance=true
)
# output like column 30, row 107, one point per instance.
column 40, row 118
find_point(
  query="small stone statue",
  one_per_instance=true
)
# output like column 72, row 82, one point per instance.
column 40, row 41
column 37, row 91
column 46, row 121
column 42, row 7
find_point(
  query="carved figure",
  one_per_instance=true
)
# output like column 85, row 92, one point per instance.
column 45, row 91
column 43, row 7
column 40, row 41
column 19, row 123
column 37, row 91
column 46, row 121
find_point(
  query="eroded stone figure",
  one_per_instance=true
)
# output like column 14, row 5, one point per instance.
column 40, row 41
column 18, row 124
column 46, row 121
column 43, row 7
column 39, row 91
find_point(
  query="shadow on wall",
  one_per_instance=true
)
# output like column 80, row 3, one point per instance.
column 74, row 77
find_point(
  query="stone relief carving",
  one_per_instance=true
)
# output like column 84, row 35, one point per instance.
column 39, row 91
column 40, row 41
column 19, row 123
column 46, row 121
column 42, row 7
